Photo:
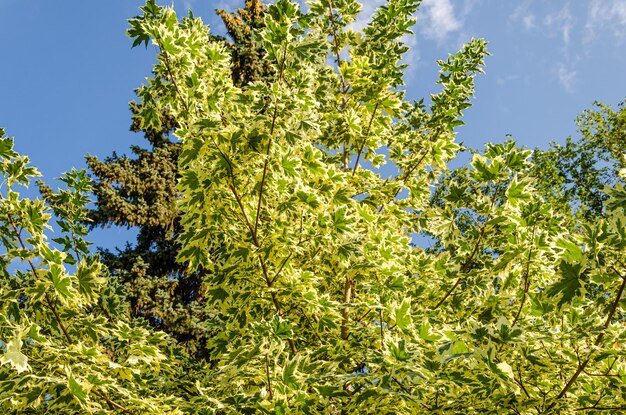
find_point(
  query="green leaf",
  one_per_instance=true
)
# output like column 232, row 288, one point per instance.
column 77, row 390
column 427, row 334
column 89, row 279
column 573, row 253
column 398, row 350
column 289, row 374
column 403, row 315
column 14, row 356
column 569, row 285
column 517, row 192
column 308, row 198
column 6, row 147
column 60, row 281
column 281, row 328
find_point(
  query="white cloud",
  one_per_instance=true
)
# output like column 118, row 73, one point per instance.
column 468, row 6
column 529, row 21
column 412, row 57
column 440, row 19
column 567, row 77
column 522, row 14
column 502, row 80
column 561, row 21
column 607, row 14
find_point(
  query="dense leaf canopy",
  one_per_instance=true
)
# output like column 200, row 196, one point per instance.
column 303, row 196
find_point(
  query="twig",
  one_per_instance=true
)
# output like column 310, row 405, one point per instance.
column 49, row 302
column 269, row 144
column 367, row 134
column 344, row 86
column 269, row 380
column 526, row 280
column 347, row 298
column 582, row 365
column 465, row 266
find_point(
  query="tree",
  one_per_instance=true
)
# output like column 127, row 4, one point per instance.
column 322, row 301
column 140, row 191
column 583, row 167
column 67, row 346
column 301, row 198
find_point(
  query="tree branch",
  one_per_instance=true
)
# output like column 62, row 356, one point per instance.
column 465, row 266
column 347, row 298
column 362, row 146
column 582, row 365
column 344, row 86
column 49, row 302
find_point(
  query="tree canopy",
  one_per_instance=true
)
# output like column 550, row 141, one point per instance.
column 303, row 195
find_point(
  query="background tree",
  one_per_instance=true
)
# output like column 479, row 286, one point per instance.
column 577, row 172
column 140, row 192
column 66, row 343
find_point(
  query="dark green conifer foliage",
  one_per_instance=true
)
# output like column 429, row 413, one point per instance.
column 139, row 191
column 248, row 64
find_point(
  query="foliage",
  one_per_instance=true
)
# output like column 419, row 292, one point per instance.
column 303, row 198
column 248, row 62
column 67, row 347
column 140, row 191
column 577, row 172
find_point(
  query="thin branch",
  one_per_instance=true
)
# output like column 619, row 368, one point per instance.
column 313, row 328
column 465, row 266
column 269, row 380
column 448, row 293
column 358, row 320
column 265, row 167
column 269, row 144
column 520, row 382
column 401, row 177
column 168, row 67
column 602, row 408
column 232, row 186
column 367, row 134
column 344, row 86
column 401, row 385
column 382, row 333
column 112, row 403
column 526, row 281
column 280, row 269
column 582, row 365
column 49, row 302
column 347, row 298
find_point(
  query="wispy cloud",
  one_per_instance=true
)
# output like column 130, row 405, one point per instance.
column 567, row 77
column 524, row 15
column 503, row 80
column 562, row 22
column 606, row 14
column 412, row 57
column 468, row 6
column 439, row 18
column 529, row 21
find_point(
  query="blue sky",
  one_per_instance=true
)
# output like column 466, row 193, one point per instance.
column 67, row 70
